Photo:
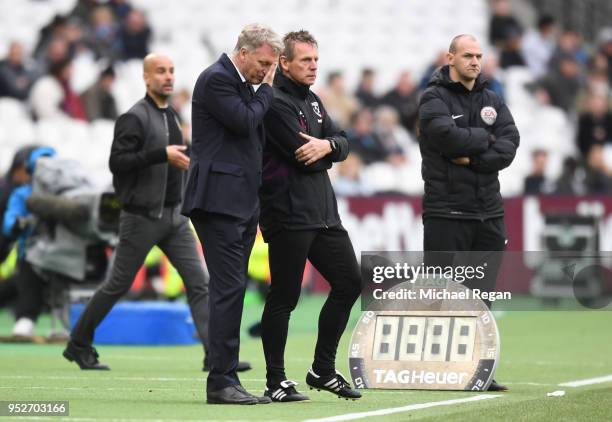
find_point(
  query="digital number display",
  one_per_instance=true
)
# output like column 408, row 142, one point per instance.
column 424, row 338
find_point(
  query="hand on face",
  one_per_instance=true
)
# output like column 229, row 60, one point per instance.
column 258, row 66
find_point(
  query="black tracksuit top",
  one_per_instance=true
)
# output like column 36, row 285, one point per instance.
column 294, row 196
column 456, row 122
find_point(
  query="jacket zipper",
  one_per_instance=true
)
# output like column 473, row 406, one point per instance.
column 325, row 194
column 161, row 209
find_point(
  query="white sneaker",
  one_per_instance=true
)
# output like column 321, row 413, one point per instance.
column 24, row 327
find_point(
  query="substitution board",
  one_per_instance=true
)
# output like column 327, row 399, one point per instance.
column 425, row 343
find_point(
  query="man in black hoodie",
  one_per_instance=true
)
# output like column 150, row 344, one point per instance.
column 300, row 221
column 466, row 136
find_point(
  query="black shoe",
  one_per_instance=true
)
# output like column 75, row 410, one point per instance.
column 494, row 386
column 260, row 399
column 85, row 357
column 242, row 366
column 231, row 395
column 334, row 383
column 285, row 392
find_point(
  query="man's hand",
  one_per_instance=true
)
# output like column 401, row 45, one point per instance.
column 176, row 157
column 461, row 161
column 269, row 78
column 314, row 149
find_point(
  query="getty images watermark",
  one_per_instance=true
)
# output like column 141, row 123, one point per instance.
column 506, row 280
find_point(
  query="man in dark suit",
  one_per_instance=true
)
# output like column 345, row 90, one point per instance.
column 221, row 196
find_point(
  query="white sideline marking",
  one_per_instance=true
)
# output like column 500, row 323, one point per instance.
column 589, row 381
column 16, row 377
column 391, row 410
column 72, row 419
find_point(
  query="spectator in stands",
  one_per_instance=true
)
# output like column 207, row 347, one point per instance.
column 597, row 77
column 563, row 83
column 52, row 96
column 349, row 180
column 570, row 43
column 103, row 33
column 47, row 95
column 595, row 124
column 121, row 8
column 365, row 89
column 490, row 70
column 605, row 48
column 571, row 180
column 598, row 178
column 393, row 136
column 337, row 101
column 82, row 10
column 52, row 31
column 57, row 50
column 17, row 225
column 134, row 36
column 503, row 26
column 16, row 78
column 404, row 98
column 440, row 60
column 536, row 182
column 511, row 54
column 363, row 141
column 539, row 44
column 98, row 99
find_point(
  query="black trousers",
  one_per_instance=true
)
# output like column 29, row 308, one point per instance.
column 484, row 240
column 137, row 235
column 330, row 251
column 30, row 291
column 227, row 242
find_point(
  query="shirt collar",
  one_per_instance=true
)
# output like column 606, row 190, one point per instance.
column 154, row 104
column 242, row 78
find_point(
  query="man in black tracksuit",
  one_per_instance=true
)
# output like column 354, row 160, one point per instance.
column 467, row 135
column 299, row 220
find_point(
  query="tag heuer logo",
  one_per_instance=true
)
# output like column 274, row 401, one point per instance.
column 488, row 115
column 315, row 108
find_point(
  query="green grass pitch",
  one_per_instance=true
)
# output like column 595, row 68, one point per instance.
column 539, row 350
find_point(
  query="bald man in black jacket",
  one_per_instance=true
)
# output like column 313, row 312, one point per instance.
column 466, row 136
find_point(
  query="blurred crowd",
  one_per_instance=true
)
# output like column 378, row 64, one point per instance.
column 97, row 32
column 568, row 74
column 571, row 76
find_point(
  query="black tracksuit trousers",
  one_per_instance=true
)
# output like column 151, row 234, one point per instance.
column 485, row 240
column 330, row 251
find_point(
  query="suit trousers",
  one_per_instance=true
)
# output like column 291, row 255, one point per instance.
column 448, row 241
column 227, row 242
column 330, row 251
column 137, row 235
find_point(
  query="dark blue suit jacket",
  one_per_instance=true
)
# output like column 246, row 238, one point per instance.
column 227, row 141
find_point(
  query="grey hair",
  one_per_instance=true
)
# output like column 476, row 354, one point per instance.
column 255, row 35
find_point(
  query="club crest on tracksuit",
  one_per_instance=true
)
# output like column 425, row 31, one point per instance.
column 488, row 115
column 315, row 108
